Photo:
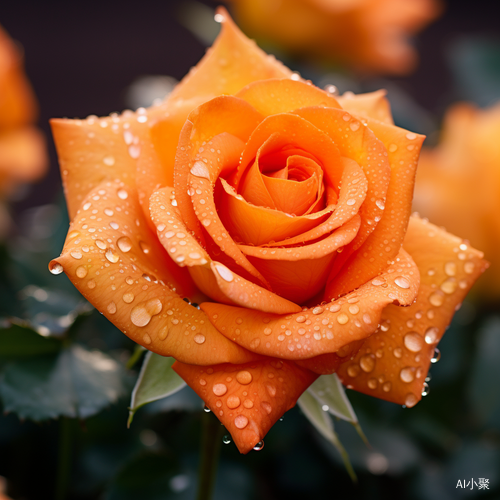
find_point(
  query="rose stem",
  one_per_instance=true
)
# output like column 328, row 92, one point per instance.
column 64, row 458
column 211, row 439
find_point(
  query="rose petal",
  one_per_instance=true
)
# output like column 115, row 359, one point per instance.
column 177, row 240
column 155, row 165
column 371, row 105
column 326, row 364
column 248, row 398
column 388, row 236
column 393, row 363
column 352, row 195
column 298, row 273
column 324, row 328
column 271, row 97
column 114, row 260
column 254, row 225
column 233, row 62
column 291, row 131
column 358, row 143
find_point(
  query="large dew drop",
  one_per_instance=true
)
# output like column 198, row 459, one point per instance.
column 143, row 312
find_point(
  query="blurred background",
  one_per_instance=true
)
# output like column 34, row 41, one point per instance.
column 94, row 58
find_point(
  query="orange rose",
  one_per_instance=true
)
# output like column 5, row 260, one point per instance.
column 23, row 156
column 277, row 210
column 369, row 35
column 458, row 182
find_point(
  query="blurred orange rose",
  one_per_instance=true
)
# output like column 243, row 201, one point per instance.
column 23, row 156
column 458, row 182
column 278, row 209
column 367, row 35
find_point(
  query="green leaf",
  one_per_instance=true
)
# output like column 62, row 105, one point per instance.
column 314, row 412
column 17, row 342
column 156, row 381
column 73, row 383
column 329, row 391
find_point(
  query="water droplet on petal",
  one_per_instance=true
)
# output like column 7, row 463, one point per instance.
column 219, row 389
column 402, row 282
column 224, row 273
column 367, row 362
column 411, row 400
column 55, row 268
column 244, row 377
column 199, row 338
column 380, row 204
column 413, row 341
column 124, row 244
column 233, row 402
column 436, row 356
column 342, row 318
column 206, row 409
column 431, row 335
column 112, row 256
column 425, row 389
column 199, row 169
column 143, row 312
column 259, row 446
column 81, row 272
column 111, row 308
column 144, row 247
column 226, row 439
column 407, row 375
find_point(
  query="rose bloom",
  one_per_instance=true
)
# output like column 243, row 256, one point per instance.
column 368, row 35
column 458, row 183
column 23, row 156
column 282, row 212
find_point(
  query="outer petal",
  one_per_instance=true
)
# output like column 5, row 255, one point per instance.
column 248, row 399
column 384, row 243
column 371, row 105
column 271, row 97
column 321, row 329
column 393, row 363
column 115, row 261
column 233, row 62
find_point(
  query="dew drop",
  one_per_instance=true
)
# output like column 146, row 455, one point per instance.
column 380, row 204
column 224, row 273
column 398, row 352
column 450, row 268
column 219, row 389
column 431, row 335
column 233, row 402
column 469, row 267
column 407, row 375
column 124, row 244
column 128, row 298
column 410, row 400
column 353, row 309
column 353, row 371
column 342, row 318
column 76, row 254
column 91, row 284
column 143, row 312
column 393, row 148
column 449, row 286
column 248, row 403
column 350, row 201
column 244, row 377
column 101, row 244
column 206, row 409
column 81, row 272
column 367, row 362
column 436, row 356
column 199, row 169
column 55, row 268
column 112, row 256
column 436, row 299
column 144, row 247
column 266, row 407
column 259, row 446
column 402, row 282
column 199, row 338
column 354, row 126
column 413, row 341
column 377, row 282
column 425, row 389
column 109, row 160
column 372, row 383
column 111, row 308
column 226, row 439
column 386, row 387
column 317, row 310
